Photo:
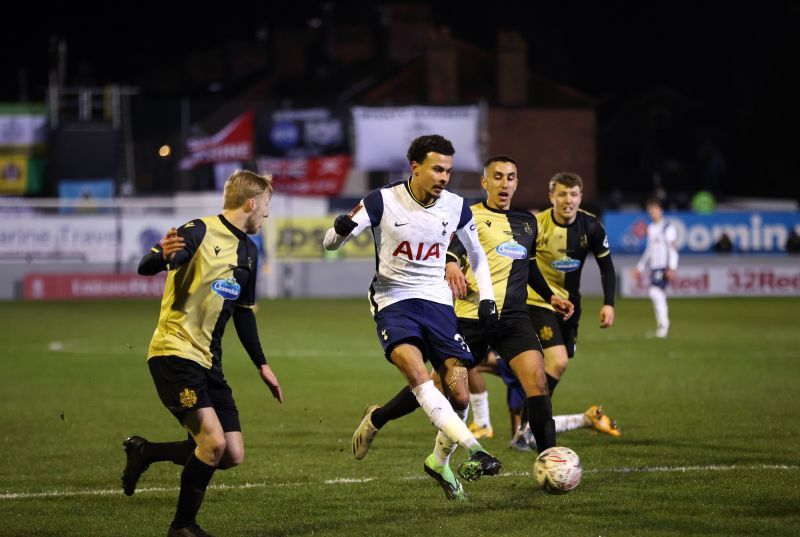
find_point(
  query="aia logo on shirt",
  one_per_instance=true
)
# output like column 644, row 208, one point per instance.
column 421, row 253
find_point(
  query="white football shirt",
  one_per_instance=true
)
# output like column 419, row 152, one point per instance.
column 660, row 252
column 411, row 241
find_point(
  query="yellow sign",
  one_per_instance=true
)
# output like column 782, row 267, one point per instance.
column 13, row 174
column 302, row 238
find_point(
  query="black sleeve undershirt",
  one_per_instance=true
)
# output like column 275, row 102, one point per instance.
column 245, row 322
column 152, row 263
column 609, row 279
column 456, row 251
column 537, row 282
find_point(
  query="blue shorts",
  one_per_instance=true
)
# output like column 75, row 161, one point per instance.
column 658, row 278
column 429, row 326
column 515, row 393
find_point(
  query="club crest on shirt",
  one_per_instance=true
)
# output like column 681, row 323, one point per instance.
column 228, row 289
column 566, row 264
column 526, row 227
column 188, row 398
column 512, row 249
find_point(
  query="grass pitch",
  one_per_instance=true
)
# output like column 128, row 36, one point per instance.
column 710, row 421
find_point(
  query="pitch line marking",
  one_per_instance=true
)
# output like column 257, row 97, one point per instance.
column 351, row 480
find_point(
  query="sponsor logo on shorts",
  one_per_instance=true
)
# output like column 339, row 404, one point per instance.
column 461, row 341
column 512, row 249
column 546, row 333
column 188, row 398
column 228, row 289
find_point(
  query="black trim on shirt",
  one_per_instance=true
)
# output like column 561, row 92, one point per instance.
column 233, row 229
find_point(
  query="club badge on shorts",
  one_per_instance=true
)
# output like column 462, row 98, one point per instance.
column 188, row 398
column 546, row 333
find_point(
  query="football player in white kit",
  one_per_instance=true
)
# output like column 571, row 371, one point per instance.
column 661, row 256
column 412, row 222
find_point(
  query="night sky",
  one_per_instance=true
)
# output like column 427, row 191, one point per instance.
column 723, row 72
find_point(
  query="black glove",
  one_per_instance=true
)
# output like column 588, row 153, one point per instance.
column 343, row 225
column 487, row 314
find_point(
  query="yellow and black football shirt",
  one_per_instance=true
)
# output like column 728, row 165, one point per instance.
column 207, row 280
column 508, row 239
column 561, row 252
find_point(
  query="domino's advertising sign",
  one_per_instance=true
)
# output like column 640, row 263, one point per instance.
column 750, row 232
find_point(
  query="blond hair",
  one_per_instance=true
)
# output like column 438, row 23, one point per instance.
column 243, row 185
column 567, row 179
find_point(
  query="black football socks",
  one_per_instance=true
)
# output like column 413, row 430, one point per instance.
column 194, row 482
column 540, row 417
column 401, row 404
column 176, row 452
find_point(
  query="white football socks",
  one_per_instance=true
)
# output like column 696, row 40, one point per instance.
column 444, row 447
column 570, row 422
column 480, row 408
column 659, row 298
column 442, row 416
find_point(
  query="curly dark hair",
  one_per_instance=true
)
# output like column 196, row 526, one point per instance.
column 430, row 143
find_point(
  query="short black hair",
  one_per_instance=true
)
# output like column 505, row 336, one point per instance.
column 430, row 143
column 498, row 158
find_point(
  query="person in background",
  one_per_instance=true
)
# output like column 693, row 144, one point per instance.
column 661, row 256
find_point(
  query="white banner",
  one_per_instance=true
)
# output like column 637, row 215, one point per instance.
column 87, row 238
column 23, row 129
column 140, row 233
column 732, row 280
column 382, row 135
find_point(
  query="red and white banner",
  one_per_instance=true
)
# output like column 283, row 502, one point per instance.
column 732, row 280
column 234, row 142
column 314, row 176
column 87, row 286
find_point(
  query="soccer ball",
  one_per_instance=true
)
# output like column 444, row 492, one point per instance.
column 557, row 470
